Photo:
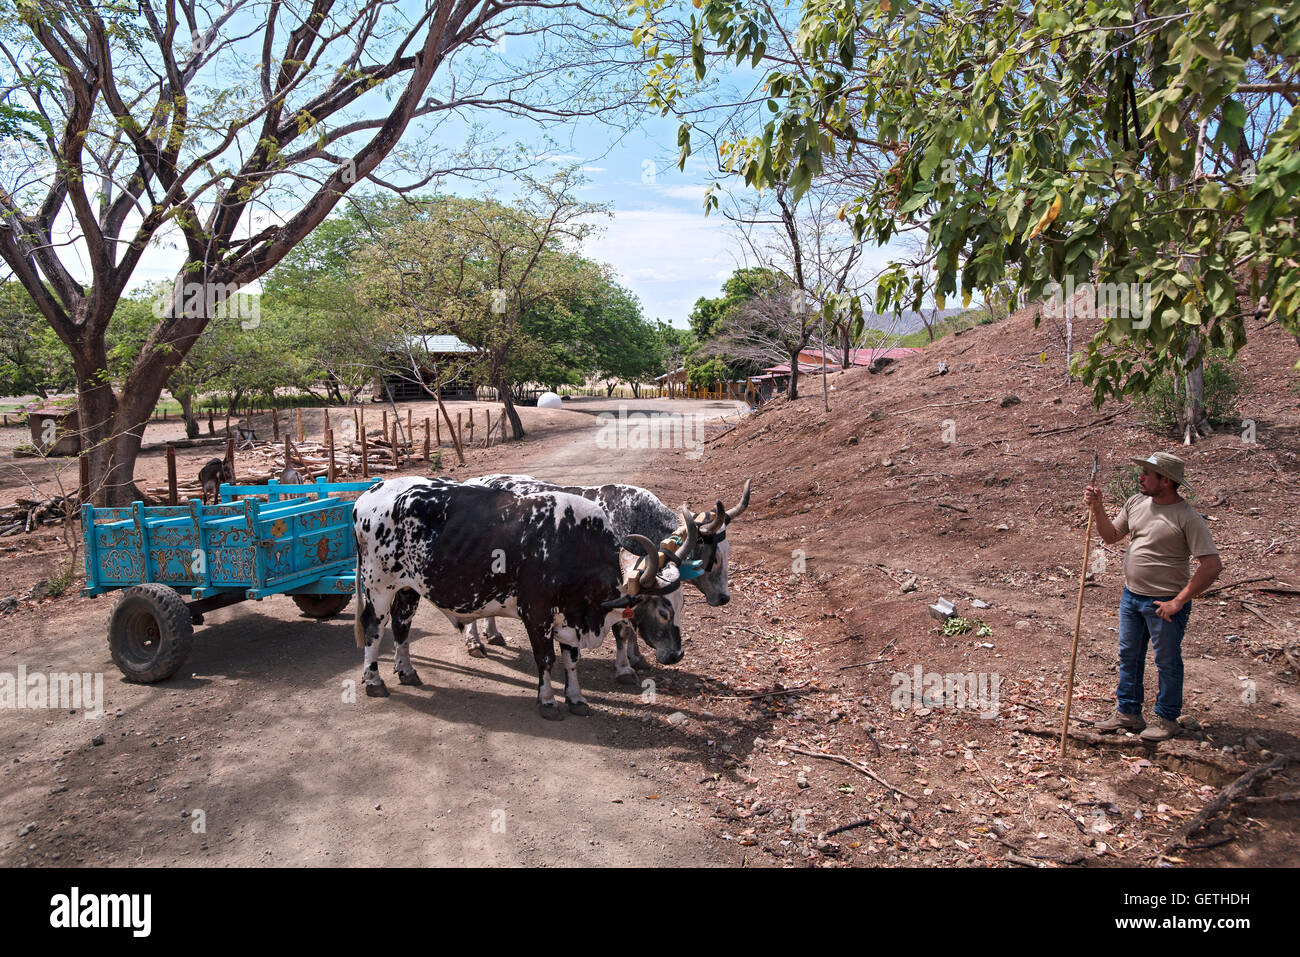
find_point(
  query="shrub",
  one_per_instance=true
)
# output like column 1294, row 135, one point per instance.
column 1161, row 406
column 705, row 375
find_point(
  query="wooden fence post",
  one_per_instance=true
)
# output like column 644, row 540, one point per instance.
column 471, row 426
column 171, row 474
column 329, row 444
column 460, row 432
column 426, row 438
column 365, row 462
column 437, row 428
column 327, row 409
column 487, row 429
column 384, row 428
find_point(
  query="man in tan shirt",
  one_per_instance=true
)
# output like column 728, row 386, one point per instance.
column 1158, row 587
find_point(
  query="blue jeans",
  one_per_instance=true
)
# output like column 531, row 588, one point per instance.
column 1138, row 624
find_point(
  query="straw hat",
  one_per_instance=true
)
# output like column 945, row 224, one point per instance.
column 1163, row 463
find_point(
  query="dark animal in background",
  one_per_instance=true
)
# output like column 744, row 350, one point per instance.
column 213, row 475
column 291, row 476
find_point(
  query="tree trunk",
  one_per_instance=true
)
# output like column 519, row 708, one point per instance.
column 332, row 388
column 794, row 374
column 609, row 388
column 636, row 390
column 186, row 398
column 111, row 431
column 508, row 404
column 1195, row 421
column 846, row 347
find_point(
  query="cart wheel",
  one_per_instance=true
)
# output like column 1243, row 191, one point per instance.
column 321, row 606
column 150, row 633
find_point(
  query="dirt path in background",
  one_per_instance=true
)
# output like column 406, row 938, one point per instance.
column 260, row 739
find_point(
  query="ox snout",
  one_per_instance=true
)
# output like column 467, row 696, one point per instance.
column 670, row 652
column 716, row 600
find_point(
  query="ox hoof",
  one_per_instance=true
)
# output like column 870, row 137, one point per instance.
column 412, row 677
column 476, row 651
column 580, row 708
column 376, row 690
column 498, row 640
column 626, row 677
column 551, row 712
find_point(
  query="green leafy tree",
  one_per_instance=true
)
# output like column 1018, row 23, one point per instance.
column 674, row 345
column 1148, row 149
column 628, row 348
column 483, row 270
column 740, row 287
column 314, row 287
column 32, row 360
column 707, row 373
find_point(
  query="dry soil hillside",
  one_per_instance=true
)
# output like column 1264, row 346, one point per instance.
column 969, row 486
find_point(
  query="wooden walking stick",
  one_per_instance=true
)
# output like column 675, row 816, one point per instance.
column 1078, row 615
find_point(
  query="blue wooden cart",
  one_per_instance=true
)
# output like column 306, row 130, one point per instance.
column 298, row 542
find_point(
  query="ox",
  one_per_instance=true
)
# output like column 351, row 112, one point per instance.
column 549, row 559
column 635, row 511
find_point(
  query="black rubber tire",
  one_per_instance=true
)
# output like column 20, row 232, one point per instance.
column 321, row 606
column 150, row 633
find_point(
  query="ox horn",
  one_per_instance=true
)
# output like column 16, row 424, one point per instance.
column 715, row 520
column 692, row 533
column 744, row 503
column 678, row 554
column 651, row 559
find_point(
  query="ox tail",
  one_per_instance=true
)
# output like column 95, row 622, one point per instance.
column 359, row 625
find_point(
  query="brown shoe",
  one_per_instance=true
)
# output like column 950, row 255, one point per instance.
column 1118, row 720
column 1162, row 729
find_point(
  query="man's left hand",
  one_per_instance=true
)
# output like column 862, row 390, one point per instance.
column 1167, row 609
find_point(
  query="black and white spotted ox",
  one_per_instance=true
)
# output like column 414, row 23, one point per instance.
column 633, row 510
column 548, row 558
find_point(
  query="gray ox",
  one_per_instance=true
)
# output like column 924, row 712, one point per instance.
column 634, row 510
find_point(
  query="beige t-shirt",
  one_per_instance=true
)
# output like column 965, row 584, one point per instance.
column 1164, row 538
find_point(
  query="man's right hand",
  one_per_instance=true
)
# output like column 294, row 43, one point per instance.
column 1092, row 496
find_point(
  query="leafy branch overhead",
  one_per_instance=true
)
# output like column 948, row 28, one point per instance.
column 1151, row 147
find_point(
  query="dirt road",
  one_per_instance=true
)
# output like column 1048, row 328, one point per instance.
column 262, row 751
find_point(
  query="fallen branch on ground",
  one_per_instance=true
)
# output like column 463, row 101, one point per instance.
column 1243, row 581
column 1225, row 798
column 861, row 768
column 800, row 689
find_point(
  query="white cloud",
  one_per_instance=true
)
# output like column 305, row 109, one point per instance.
column 668, row 257
column 693, row 192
